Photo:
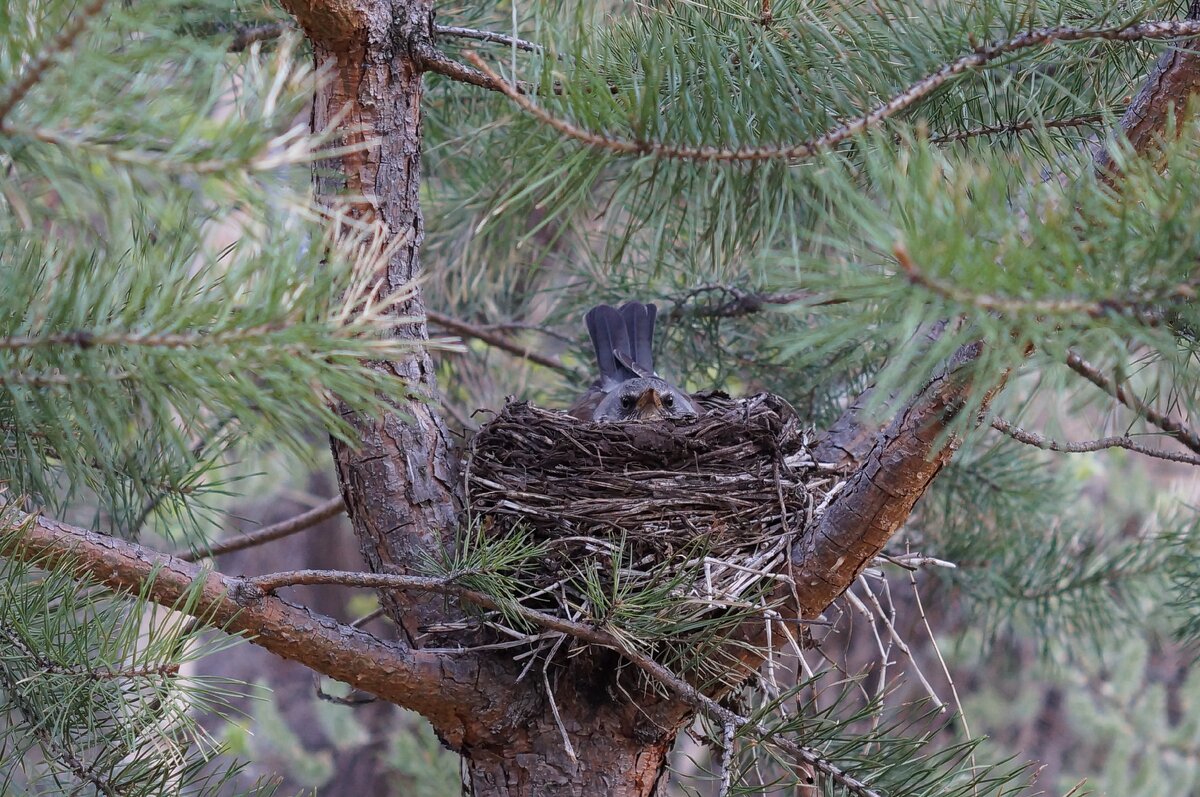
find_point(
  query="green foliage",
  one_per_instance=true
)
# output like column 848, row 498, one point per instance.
column 173, row 302
column 91, row 692
column 977, row 203
column 1028, row 568
column 135, row 346
column 892, row 752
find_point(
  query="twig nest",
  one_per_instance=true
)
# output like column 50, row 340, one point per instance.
column 710, row 506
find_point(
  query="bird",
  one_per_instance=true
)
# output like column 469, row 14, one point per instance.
column 628, row 388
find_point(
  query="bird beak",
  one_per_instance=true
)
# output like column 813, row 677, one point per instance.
column 649, row 405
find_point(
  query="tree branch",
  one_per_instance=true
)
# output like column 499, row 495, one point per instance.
column 903, row 461
column 1011, row 128
column 1173, row 80
column 434, row 60
column 1143, row 308
column 324, row 511
column 486, row 36
column 468, row 330
column 409, row 678
column 36, row 68
column 1117, row 390
column 1124, row 441
column 51, row 747
column 730, row 301
column 880, row 495
column 980, row 56
column 243, row 37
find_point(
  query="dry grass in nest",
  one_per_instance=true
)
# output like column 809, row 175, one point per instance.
column 709, row 507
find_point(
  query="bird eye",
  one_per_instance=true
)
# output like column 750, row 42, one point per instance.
column 668, row 400
column 627, row 401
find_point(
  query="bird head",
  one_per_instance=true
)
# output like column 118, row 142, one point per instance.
column 644, row 399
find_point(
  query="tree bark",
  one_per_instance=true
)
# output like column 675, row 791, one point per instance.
column 617, row 754
column 400, row 485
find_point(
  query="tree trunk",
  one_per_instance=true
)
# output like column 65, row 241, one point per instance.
column 620, row 748
column 400, row 484
column 608, row 767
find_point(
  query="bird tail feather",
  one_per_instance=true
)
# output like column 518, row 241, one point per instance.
column 610, row 337
column 639, row 326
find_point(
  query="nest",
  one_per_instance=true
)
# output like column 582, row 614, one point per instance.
column 704, row 510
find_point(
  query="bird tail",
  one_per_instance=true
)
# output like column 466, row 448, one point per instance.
column 639, row 325
column 610, row 338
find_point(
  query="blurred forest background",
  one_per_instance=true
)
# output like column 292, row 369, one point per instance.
column 1062, row 630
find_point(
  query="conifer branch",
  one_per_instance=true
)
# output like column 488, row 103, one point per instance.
column 980, row 56
column 432, row 59
column 322, row 512
column 1011, row 128
column 51, row 667
column 1122, row 441
column 51, row 746
column 730, row 301
column 486, row 36
column 1172, row 82
column 1142, row 308
column 468, row 330
column 394, row 672
column 166, row 340
column 42, row 380
column 37, row 68
column 1117, row 390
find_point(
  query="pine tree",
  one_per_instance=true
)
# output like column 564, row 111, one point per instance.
column 945, row 232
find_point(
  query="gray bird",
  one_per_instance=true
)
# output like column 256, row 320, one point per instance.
column 628, row 388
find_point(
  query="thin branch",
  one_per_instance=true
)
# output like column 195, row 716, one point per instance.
column 727, row 759
column 51, row 667
column 730, row 301
column 980, row 56
column 37, row 68
column 486, row 36
column 374, row 614
column 468, row 330
column 43, row 380
column 51, row 746
column 198, row 450
column 1083, row 120
column 1141, row 308
column 431, row 59
column 324, row 511
column 581, row 631
column 1117, row 390
column 1123, row 441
